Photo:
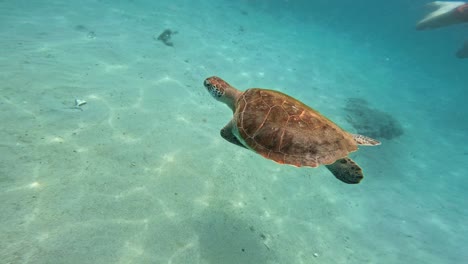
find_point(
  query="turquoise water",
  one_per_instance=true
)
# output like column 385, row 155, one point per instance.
column 140, row 174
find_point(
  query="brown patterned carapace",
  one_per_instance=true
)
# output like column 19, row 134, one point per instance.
column 287, row 131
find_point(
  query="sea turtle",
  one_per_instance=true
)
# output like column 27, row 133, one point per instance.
column 285, row 130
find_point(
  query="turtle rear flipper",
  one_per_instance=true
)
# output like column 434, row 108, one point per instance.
column 365, row 141
column 346, row 170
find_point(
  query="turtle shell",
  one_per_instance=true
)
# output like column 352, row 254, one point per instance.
column 285, row 130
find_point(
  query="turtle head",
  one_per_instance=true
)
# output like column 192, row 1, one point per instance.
column 216, row 86
column 222, row 91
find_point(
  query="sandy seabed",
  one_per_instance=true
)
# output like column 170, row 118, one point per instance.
column 139, row 174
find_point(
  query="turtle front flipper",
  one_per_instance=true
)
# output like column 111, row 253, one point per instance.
column 226, row 133
column 346, row 170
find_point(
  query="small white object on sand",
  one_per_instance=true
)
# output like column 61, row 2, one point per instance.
column 79, row 102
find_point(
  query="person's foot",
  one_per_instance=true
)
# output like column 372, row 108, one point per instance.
column 444, row 15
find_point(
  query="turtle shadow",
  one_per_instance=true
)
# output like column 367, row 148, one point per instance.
column 225, row 238
column 370, row 121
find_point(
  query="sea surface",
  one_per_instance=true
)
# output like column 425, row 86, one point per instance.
column 110, row 149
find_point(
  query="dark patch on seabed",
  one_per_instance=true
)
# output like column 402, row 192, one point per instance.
column 370, row 121
column 166, row 36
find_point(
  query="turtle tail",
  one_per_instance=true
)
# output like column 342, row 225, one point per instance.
column 346, row 170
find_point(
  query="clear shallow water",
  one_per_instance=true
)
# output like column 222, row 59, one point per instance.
column 141, row 175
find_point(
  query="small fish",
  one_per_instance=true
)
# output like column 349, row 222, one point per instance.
column 165, row 37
